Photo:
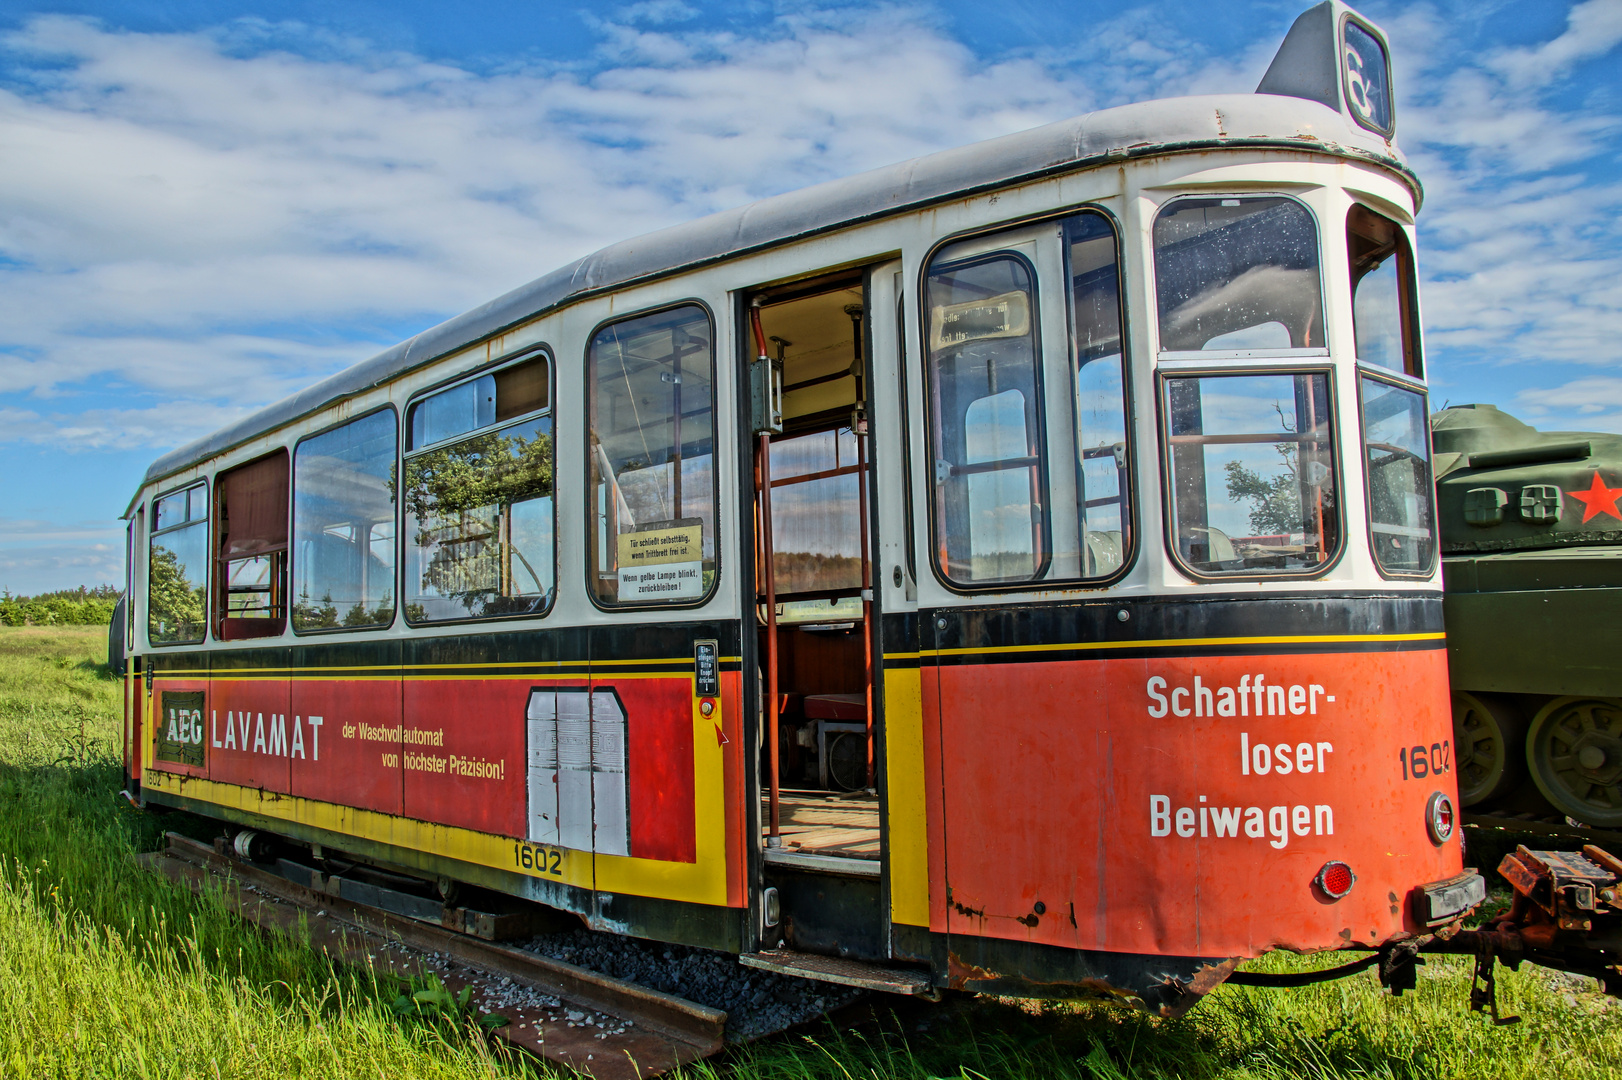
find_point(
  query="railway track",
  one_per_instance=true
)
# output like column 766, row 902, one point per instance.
column 604, row 1027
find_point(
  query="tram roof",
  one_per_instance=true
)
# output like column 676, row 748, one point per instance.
column 1169, row 125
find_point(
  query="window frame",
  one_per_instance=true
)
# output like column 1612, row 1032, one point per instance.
column 921, row 286
column 1039, row 409
column 1413, row 347
column 588, row 391
column 403, row 437
column 219, row 605
column 1128, row 402
column 1346, row 18
column 1413, row 385
column 208, row 570
column 1168, row 493
column 292, row 524
column 1152, row 272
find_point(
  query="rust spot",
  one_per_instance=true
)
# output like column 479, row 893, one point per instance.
column 972, row 913
column 960, row 973
column 1072, row 913
column 1211, row 976
column 1030, row 920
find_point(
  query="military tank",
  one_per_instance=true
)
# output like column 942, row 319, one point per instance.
column 1531, row 538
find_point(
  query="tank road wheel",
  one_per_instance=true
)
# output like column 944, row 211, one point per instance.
column 1574, row 750
column 1490, row 735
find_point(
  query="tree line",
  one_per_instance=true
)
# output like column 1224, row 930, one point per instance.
column 64, row 607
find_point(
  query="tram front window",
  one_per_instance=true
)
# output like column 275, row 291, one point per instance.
column 1252, row 473
column 1396, row 438
column 1237, row 275
column 1382, row 292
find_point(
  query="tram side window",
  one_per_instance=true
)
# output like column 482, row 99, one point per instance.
column 343, row 526
column 177, row 569
column 1396, row 438
column 986, row 430
column 478, row 498
column 1383, row 315
column 250, row 503
column 651, row 467
column 1104, row 496
column 1237, row 275
column 1252, row 473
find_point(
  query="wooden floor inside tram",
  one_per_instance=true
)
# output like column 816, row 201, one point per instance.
column 840, row 824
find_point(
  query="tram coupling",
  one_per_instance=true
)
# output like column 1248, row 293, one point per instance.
column 1566, row 914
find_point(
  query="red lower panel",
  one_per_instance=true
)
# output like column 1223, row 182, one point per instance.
column 463, row 756
column 252, row 733
column 1166, row 806
column 659, row 765
column 354, row 755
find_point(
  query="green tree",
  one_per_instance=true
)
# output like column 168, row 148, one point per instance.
column 175, row 605
column 308, row 616
column 1275, row 501
column 461, row 498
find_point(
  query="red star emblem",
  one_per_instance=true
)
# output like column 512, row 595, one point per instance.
column 1598, row 499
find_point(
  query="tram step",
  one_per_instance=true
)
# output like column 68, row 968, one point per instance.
column 833, row 969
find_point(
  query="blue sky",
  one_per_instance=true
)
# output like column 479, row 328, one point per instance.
column 207, row 205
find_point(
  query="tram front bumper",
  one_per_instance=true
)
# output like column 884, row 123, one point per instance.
column 1440, row 902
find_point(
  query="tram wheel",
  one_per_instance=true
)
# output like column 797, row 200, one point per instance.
column 1574, row 751
column 847, row 761
column 1490, row 737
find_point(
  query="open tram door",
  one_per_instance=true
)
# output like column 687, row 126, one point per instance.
column 816, row 356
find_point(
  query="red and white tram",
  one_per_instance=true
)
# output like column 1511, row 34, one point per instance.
column 1017, row 564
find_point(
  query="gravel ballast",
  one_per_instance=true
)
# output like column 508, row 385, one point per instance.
column 757, row 1003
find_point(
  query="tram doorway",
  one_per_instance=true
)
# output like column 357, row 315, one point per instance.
column 816, row 623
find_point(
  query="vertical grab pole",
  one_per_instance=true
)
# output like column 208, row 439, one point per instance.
column 763, row 465
column 859, row 429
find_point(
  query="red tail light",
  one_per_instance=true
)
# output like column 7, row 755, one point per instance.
column 1439, row 818
column 1335, row 880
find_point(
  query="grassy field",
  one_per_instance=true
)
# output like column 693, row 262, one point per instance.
column 104, row 971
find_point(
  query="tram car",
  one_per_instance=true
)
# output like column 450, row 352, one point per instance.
column 1016, row 566
column 1532, row 561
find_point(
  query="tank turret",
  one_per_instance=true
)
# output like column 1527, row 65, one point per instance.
column 1502, row 485
column 1531, row 536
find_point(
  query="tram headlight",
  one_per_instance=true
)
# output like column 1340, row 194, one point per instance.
column 1335, row 880
column 1440, row 818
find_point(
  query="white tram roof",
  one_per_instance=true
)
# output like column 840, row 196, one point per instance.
column 1145, row 129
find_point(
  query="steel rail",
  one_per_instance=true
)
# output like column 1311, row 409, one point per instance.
column 661, row 1032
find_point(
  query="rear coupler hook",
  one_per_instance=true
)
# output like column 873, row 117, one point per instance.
column 1484, row 987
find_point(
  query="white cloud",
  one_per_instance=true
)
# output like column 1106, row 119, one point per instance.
column 164, row 199
column 1522, row 254
column 1593, row 28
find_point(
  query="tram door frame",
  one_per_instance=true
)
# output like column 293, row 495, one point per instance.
column 888, row 490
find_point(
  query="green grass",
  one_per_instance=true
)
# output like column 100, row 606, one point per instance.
column 106, row 971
